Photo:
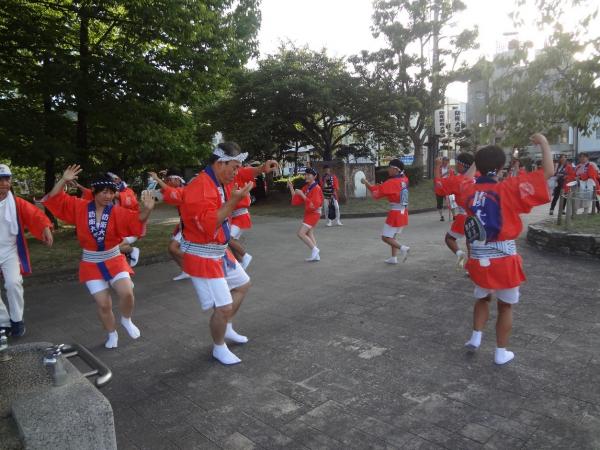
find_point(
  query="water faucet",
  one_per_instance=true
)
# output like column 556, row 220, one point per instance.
column 53, row 359
column 4, row 356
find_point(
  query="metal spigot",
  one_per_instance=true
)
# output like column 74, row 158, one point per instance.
column 4, row 356
column 53, row 359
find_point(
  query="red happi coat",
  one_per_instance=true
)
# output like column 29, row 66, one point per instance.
column 245, row 175
column 517, row 195
column 201, row 201
column 123, row 222
column 32, row 219
column 173, row 196
column 312, row 204
column 588, row 171
column 451, row 186
column 392, row 190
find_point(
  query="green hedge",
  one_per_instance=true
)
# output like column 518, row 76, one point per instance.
column 414, row 174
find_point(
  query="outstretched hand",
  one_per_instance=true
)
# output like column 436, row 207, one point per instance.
column 270, row 166
column 154, row 176
column 71, row 173
column 539, row 139
column 363, row 180
column 47, row 237
column 148, row 200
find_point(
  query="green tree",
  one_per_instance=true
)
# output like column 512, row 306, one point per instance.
column 296, row 95
column 115, row 83
column 560, row 85
column 411, row 84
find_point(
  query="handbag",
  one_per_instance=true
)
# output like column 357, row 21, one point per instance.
column 331, row 215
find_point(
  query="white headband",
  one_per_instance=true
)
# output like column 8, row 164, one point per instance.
column 223, row 157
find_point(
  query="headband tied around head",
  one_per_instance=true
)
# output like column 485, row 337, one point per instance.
column 104, row 184
column 225, row 158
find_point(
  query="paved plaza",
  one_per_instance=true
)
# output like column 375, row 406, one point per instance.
column 348, row 352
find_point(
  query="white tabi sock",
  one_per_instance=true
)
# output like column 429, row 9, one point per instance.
column 475, row 340
column 232, row 335
column 404, row 250
column 222, row 354
column 113, row 340
column 392, row 260
column 181, row 276
column 461, row 259
column 133, row 331
column 503, row 356
column 246, row 260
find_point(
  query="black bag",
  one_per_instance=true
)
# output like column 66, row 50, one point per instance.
column 331, row 215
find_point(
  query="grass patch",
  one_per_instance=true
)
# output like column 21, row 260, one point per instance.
column 65, row 253
column 583, row 223
column 278, row 203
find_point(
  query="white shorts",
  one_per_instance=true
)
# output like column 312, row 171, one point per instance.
column 390, row 232
column 216, row 292
column 236, row 232
column 177, row 237
column 510, row 296
column 130, row 239
column 95, row 286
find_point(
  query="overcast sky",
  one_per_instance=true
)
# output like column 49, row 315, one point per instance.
column 343, row 27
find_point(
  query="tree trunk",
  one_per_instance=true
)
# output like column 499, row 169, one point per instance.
column 81, row 143
column 49, row 163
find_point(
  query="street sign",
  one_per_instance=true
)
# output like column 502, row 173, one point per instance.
column 440, row 122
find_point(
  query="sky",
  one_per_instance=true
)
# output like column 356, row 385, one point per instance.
column 343, row 27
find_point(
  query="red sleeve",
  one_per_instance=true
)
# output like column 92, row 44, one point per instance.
column 384, row 189
column 86, row 194
column 336, row 183
column 527, row 190
column 172, row 196
column 33, row 218
column 245, row 175
column 128, row 200
column 447, row 186
column 297, row 200
column 128, row 222
column 63, row 206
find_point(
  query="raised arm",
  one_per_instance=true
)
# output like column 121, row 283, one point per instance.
column 70, row 174
column 547, row 162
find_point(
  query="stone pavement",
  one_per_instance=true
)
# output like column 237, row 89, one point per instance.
column 348, row 352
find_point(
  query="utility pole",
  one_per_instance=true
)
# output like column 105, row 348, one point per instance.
column 435, row 63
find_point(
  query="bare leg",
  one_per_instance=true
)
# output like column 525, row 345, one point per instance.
column 124, row 290
column 238, row 294
column 481, row 313
column 503, row 324
column 312, row 237
column 393, row 243
column 218, row 323
column 104, row 309
column 303, row 235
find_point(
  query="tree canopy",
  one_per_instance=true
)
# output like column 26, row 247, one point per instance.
column 116, row 83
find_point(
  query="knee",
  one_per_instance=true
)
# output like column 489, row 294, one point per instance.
column 244, row 288
column 105, row 307
column 223, row 312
